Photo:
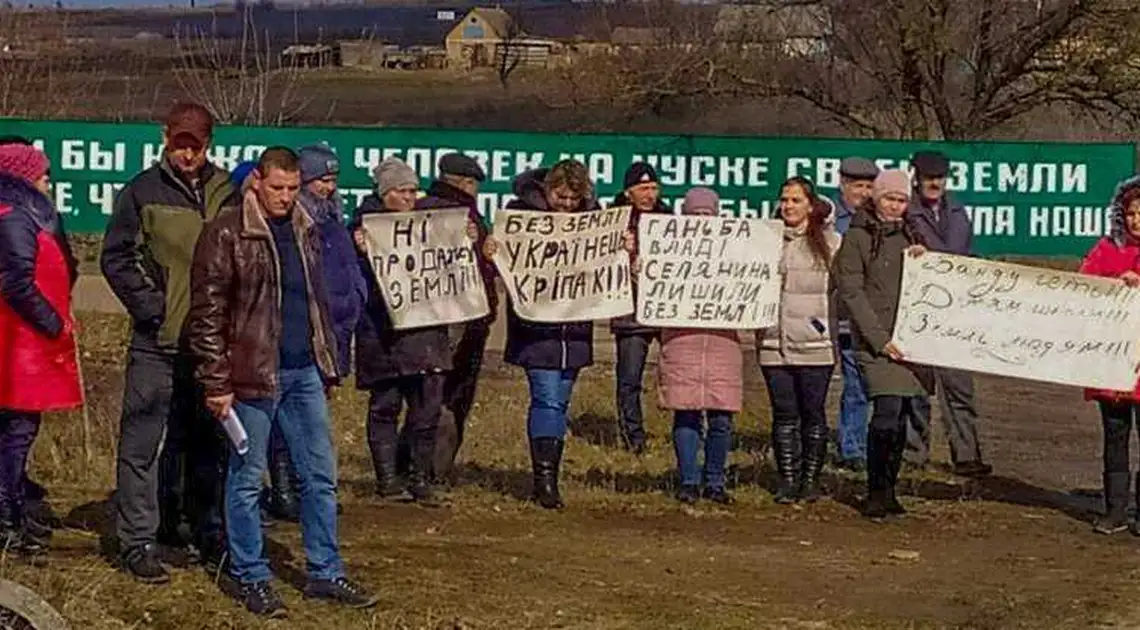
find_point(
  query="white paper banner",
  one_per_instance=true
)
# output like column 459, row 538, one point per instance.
column 708, row 272
column 426, row 266
column 1014, row 320
column 565, row 267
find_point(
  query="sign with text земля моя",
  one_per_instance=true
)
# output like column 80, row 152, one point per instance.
column 1013, row 320
column 1025, row 198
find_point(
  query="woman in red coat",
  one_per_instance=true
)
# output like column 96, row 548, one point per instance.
column 1118, row 256
column 38, row 364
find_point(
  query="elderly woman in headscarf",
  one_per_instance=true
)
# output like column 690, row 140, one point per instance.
column 1118, row 256
column 701, row 381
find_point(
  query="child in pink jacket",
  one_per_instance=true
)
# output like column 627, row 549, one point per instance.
column 701, row 378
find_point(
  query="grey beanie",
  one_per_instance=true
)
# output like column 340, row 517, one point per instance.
column 393, row 173
column 317, row 161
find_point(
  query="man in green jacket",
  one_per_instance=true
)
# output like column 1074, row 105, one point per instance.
column 167, row 437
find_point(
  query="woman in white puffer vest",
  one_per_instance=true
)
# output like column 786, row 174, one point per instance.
column 797, row 355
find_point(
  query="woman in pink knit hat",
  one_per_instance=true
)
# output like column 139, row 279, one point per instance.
column 701, row 380
column 38, row 366
column 868, row 272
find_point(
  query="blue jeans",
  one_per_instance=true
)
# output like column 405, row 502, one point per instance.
column 853, row 408
column 301, row 413
column 629, row 372
column 687, row 442
column 550, row 392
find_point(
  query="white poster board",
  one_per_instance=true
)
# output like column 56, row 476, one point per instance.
column 565, row 267
column 1013, row 320
column 708, row 272
column 426, row 266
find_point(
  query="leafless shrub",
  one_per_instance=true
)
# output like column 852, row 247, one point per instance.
column 241, row 80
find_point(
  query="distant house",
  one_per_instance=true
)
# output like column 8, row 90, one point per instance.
column 800, row 29
column 489, row 38
column 638, row 37
column 311, row 56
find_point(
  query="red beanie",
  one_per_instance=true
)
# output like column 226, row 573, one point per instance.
column 23, row 161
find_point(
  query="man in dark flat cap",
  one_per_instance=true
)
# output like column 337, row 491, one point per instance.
column 856, row 176
column 458, row 186
column 944, row 226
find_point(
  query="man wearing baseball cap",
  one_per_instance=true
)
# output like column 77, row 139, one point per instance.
column 166, row 432
column 944, row 226
column 641, row 191
column 856, row 182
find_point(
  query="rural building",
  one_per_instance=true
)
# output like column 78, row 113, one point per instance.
column 638, row 37
column 488, row 37
column 311, row 56
column 801, row 29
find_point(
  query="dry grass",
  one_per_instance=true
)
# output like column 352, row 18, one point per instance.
column 623, row 555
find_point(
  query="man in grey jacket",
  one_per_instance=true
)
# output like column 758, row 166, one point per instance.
column 944, row 226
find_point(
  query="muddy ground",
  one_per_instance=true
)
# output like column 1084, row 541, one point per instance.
column 1014, row 551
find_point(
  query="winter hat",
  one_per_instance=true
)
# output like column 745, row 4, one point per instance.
column 393, row 173
column 891, row 181
column 701, row 201
column 23, row 161
column 638, row 173
column 1125, row 191
column 317, row 161
column 242, row 171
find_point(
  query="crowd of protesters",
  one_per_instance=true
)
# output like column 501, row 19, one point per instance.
column 249, row 294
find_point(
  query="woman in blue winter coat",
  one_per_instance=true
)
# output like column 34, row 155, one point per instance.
column 552, row 354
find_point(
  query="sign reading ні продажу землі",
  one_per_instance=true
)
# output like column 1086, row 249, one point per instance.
column 1030, row 199
column 426, row 266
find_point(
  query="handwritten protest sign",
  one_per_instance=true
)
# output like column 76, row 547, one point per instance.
column 563, row 267
column 708, row 272
column 426, row 267
column 1013, row 320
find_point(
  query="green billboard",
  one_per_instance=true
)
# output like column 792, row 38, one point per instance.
column 1027, row 199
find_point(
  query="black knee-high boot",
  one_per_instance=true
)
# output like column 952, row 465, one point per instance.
column 546, row 459
column 785, row 448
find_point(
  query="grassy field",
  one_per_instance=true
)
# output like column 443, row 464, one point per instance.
column 1011, row 552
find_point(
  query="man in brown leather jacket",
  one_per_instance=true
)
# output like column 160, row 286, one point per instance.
column 260, row 329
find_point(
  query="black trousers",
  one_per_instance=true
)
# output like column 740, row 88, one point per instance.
column 423, row 394
column 171, row 455
column 1117, row 419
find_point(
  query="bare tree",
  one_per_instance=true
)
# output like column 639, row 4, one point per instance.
column 239, row 80
column 942, row 69
column 882, row 68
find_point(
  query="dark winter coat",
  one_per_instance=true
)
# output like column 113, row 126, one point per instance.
column 443, row 195
column 38, row 366
column 868, row 272
column 149, row 244
column 535, row 345
column 949, row 233
column 627, row 324
column 382, row 352
column 347, row 291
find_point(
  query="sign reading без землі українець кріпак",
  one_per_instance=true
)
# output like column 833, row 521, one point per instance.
column 565, row 267
column 1019, row 321
column 708, row 272
column 426, row 266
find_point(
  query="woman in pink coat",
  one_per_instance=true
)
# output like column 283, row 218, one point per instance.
column 1118, row 256
column 701, row 378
